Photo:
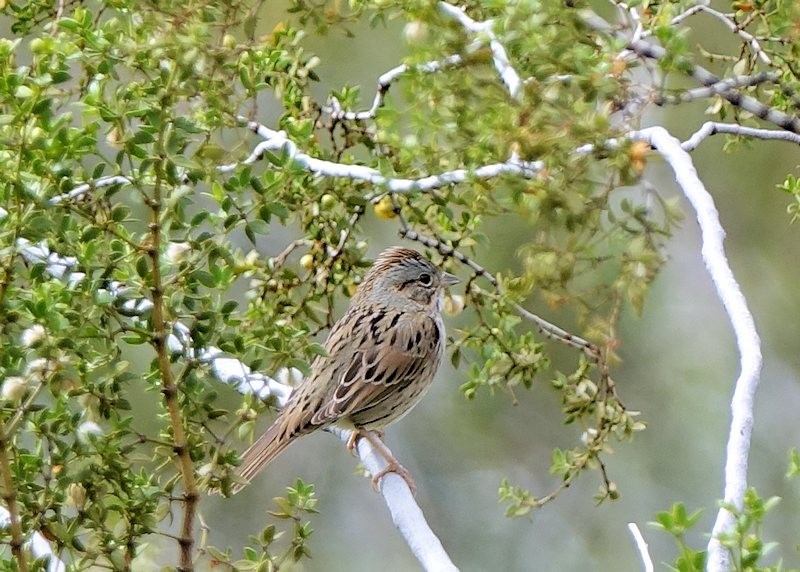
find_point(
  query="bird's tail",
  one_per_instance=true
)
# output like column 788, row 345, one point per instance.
column 262, row 452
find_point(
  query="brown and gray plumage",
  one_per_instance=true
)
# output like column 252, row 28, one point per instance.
column 382, row 356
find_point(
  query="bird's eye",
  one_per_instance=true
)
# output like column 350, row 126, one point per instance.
column 425, row 279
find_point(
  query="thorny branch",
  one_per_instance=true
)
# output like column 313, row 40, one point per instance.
column 717, row 88
column 169, row 387
column 385, row 82
column 712, row 127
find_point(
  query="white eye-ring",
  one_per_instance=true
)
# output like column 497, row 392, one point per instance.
column 425, row 279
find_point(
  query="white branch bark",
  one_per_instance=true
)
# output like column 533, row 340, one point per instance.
column 710, row 128
column 404, row 510
column 641, row 546
column 747, row 340
column 732, row 26
column 718, row 88
column 278, row 141
column 650, row 51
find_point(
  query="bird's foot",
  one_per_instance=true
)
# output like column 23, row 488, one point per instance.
column 394, row 467
column 375, row 439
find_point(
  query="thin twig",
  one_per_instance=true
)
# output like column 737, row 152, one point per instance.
column 739, row 30
column 385, row 82
column 9, row 497
column 502, row 64
column 39, row 546
column 280, row 259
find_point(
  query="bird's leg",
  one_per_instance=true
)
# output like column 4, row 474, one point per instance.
column 351, row 440
column 356, row 434
column 393, row 466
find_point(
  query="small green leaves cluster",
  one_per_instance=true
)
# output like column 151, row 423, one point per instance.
column 603, row 420
column 677, row 522
column 272, row 549
column 792, row 186
column 745, row 541
column 504, row 356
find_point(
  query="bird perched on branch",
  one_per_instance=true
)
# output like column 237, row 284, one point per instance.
column 381, row 359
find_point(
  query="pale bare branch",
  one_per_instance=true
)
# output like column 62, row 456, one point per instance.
column 277, row 141
column 641, row 546
column 747, row 340
column 710, row 128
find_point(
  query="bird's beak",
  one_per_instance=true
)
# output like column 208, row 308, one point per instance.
column 448, row 279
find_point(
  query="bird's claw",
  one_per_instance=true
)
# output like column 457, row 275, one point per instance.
column 398, row 469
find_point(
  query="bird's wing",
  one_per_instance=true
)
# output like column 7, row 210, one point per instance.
column 382, row 364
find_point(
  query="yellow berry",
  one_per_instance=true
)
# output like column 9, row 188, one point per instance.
column 307, row 261
column 638, row 154
column 384, row 208
column 229, row 41
column 327, row 201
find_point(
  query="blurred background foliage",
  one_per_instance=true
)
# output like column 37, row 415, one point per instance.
column 151, row 91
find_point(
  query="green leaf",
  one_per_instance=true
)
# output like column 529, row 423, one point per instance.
column 23, row 92
column 794, row 464
column 205, row 278
column 142, row 137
